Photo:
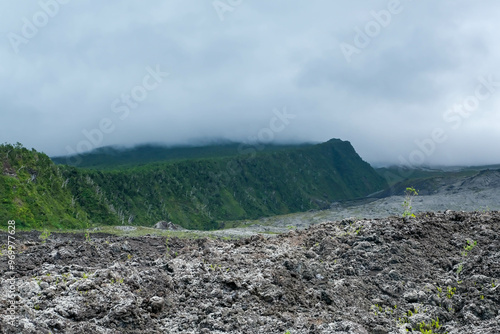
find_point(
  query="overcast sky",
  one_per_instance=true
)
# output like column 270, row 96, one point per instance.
column 403, row 81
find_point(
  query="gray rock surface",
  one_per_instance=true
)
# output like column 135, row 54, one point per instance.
column 362, row 276
column 163, row 225
column 456, row 197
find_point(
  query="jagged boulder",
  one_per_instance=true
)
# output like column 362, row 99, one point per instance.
column 164, row 225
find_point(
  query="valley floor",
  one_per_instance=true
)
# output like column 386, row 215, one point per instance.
column 469, row 201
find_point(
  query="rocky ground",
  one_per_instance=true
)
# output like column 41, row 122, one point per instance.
column 437, row 273
column 479, row 192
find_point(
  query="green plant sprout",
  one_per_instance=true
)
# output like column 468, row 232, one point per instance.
column 87, row 233
column 427, row 328
column 410, row 192
column 45, row 235
column 440, row 290
column 215, row 267
column 470, row 245
column 37, row 279
column 450, row 292
column 167, row 248
column 377, row 309
column 117, row 281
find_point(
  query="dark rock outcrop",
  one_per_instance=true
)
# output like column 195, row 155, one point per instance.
column 163, row 225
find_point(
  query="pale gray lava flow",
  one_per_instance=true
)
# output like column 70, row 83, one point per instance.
column 437, row 272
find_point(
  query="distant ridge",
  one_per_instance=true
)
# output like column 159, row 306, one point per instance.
column 113, row 157
column 202, row 192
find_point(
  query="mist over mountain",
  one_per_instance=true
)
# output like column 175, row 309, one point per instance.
column 172, row 72
column 115, row 156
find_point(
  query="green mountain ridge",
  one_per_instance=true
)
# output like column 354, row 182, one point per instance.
column 111, row 157
column 198, row 193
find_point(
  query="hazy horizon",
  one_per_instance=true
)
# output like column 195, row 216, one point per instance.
column 209, row 142
column 405, row 82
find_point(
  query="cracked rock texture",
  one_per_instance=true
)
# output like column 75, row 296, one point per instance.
column 438, row 271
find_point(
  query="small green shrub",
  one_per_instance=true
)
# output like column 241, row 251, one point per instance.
column 45, row 235
column 450, row 292
column 410, row 192
column 167, row 247
column 440, row 290
column 87, row 232
column 470, row 245
column 428, row 328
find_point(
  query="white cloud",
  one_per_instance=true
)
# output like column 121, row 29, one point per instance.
column 227, row 76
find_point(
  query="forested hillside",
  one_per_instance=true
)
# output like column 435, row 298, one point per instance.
column 115, row 157
column 34, row 193
column 199, row 193
column 195, row 193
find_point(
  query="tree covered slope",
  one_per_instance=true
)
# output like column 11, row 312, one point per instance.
column 34, row 193
column 200, row 193
column 195, row 193
column 110, row 157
